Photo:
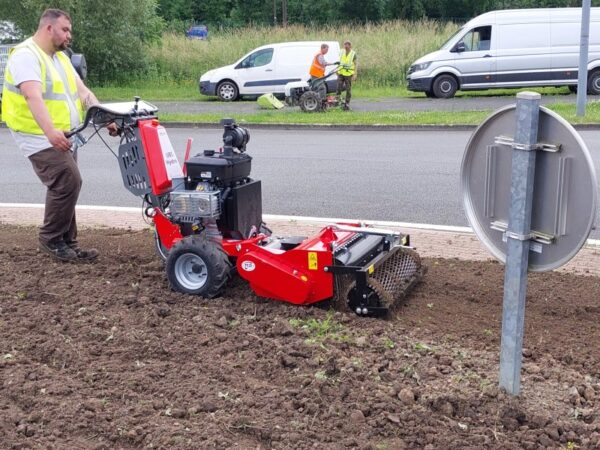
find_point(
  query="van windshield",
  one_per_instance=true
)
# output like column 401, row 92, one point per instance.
column 446, row 44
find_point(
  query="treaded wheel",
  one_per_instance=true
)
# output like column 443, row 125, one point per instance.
column 198, row 266
column 227, row 91
column 310, row 102
column 445, row 86
column 594, row 83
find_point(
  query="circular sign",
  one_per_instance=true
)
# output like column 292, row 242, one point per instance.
column 564, row 193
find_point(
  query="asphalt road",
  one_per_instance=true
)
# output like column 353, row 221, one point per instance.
column 385, row 104
column 408, row 176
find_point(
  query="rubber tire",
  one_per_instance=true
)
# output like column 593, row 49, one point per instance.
column 213, row 256
column 229, row 86
column 429, row 94
column 594, row 82
column 445, row 86
column 311, row 102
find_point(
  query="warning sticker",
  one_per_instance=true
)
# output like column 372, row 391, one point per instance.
column 313, row 261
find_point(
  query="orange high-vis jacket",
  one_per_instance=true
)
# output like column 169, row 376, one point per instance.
column 317, row 70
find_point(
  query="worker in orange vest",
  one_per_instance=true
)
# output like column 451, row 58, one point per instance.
column 317, row 69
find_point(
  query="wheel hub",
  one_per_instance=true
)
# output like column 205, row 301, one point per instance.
column 191, row 271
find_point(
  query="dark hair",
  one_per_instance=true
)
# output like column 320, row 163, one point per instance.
column 50, row 15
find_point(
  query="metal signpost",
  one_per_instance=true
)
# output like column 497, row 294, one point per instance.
column 531, row 200
column 584, row 45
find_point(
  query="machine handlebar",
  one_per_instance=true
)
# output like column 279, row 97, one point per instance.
column 103, row 114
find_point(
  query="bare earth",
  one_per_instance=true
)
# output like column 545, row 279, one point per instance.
column 105, row 356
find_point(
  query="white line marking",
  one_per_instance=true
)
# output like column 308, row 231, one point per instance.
column 378, row 223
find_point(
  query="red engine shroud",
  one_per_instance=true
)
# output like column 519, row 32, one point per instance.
column 295, row 276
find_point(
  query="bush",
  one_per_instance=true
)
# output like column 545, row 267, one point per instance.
column 112, row 35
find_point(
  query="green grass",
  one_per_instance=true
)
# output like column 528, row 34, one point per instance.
column 152, row 91
column 385, row 51
column 338, row 117
column 188, row 91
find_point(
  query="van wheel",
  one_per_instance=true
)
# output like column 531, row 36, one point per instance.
column 594, row 83
column 227, row 91
column 429, row 94
column 445, row 86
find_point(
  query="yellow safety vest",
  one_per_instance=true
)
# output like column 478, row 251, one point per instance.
column 347, row 66
column 16, row 112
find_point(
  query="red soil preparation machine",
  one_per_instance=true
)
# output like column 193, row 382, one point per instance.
column 208, row 224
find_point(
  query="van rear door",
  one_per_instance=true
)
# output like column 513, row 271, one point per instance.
column 255, row 73
column 475, row 58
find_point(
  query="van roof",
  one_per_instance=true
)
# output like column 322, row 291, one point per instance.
column 531, row 15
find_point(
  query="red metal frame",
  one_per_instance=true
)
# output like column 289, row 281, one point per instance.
column 159, row 180
column 296, row 276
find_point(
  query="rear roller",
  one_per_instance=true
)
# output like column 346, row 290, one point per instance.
column 386, row 287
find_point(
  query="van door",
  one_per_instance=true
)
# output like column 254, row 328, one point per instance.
column 565, row 38
column 255, row 73
column 293, row 64
column 476, row 58
column 524, row 55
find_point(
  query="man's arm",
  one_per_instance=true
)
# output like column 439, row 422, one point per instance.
column 32, row 91
column 87, row 97
column 355, row 69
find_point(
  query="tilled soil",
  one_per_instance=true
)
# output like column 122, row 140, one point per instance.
column 105, row 356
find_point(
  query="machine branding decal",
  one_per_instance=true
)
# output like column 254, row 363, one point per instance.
column 313, row 261
column 171, row 162
column 248, row 266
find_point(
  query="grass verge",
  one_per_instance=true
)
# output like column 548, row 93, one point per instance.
column 188, row 91
column 338, row 117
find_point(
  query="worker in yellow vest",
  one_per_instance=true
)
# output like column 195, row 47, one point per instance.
column 346, row 74
column 43, row 97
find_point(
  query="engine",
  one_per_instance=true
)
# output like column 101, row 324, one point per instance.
column 218, row 188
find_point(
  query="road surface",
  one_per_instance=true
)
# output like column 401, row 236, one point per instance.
column 412, row 104
column 407, row 176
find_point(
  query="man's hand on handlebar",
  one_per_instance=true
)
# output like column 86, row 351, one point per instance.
column 113, row 129
column 58, row 140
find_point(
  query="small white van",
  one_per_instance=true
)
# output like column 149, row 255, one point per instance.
column 510, row 48
column 266, row 69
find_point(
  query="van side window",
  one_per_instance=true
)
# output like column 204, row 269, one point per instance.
column 478, row 39
column 257, row 59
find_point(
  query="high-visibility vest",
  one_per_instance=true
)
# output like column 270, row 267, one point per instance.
column 317, row 70
column 16, row 112
column 347, row 65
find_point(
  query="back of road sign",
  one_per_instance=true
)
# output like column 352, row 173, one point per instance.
column 565, row 188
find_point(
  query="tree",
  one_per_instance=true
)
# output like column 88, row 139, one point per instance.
column 110, row 34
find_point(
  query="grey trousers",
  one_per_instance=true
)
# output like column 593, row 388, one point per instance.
column 58, row 171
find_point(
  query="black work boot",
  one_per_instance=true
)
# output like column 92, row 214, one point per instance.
column 58, row 250
column 83, row 254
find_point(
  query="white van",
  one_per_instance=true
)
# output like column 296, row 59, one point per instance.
column 510, row 48
column 266, row 69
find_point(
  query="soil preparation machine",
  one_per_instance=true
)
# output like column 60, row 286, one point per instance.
column 207, row 217
column 311, row 95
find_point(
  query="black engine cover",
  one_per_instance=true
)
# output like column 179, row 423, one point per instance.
column 218, row 169
column 242, row 210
